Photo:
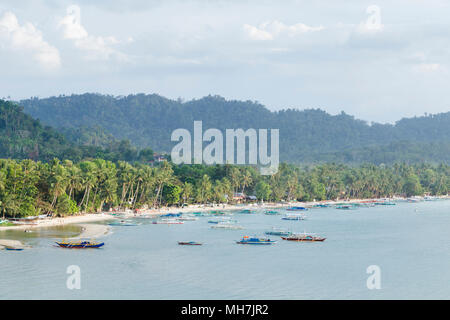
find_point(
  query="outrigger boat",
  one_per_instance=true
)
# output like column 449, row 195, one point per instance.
column 321, row 205
column 189, row 243
column 123, row 223
column 346, row 207
column 271, row 213
column 307, row 237
column 278, row 232
column 247, row 211
column 222, row 220
column 255, row 240
column 199, row 214
column 295, row 217
column 13, row 248
column 167, row 221
column 297, row 209
column 385, row 203
column 81, row 244
column 171, row 215
column 187, row 217
column 229, row 226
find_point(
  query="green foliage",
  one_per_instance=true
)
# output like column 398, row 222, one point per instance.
column 263, row 190
column 171, row 194
column 22, row 137
column 306, row 136
column 64, row 188
column 65, row 205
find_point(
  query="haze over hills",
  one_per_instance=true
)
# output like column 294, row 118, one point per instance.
column 305, row 135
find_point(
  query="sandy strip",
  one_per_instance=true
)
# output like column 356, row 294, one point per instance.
column 12, row 243
column 93, row 231
column 62, row 221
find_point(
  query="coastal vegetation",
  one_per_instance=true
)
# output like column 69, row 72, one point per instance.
column 60, row 188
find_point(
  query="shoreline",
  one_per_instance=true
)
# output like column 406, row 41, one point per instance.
column 54, row 222
column 104, row 216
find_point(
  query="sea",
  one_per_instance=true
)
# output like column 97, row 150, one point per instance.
column 383, row 252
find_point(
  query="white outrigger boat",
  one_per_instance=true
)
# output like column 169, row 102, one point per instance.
column 187, row 217
column 167, row 221
column 229, row 226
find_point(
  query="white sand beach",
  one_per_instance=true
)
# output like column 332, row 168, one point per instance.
column 85, row 218
column 93, row 231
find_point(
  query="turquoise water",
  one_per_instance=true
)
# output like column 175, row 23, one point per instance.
column 410, row 243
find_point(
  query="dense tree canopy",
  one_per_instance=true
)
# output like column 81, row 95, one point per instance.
column 64, row 188
column 306, row 136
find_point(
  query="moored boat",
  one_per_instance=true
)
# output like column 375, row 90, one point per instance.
column 295, row 217
column 81, row 244
column 307, row 237
column 189, row 243
column 123, row 223
column 297, row 209
column 13, row 248
column 321, row 205
column 247, row 211
column 228, row 226
column 168, row 221
column 187, row 217
column 278, row 232
column 255, row 241
column 172, row 215
column 346, row 207
column 271, row 212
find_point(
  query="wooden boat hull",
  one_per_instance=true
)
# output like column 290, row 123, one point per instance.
column 13, row 249
column 256, row 243
column 80, row 245
column 183, row 243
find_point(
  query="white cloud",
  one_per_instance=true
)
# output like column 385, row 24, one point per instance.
column 27, row 38
column 427, row 67
column 98, row 48
column 270, row 30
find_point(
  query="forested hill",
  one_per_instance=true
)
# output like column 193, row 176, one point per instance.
column 22, row 137
column 305, row 136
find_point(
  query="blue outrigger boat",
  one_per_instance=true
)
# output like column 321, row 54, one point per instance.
column 13, row 248
column 297, row 209
column 172, row 215
column 82, row 244
column 255, row 240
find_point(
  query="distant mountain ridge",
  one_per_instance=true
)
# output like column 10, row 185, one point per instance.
column 305, row 135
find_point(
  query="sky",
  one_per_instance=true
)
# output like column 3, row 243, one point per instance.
column 377, row 60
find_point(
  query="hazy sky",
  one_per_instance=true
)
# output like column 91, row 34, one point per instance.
column 379, row 61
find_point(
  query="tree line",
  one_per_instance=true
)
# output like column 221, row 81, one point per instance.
column 60, row 188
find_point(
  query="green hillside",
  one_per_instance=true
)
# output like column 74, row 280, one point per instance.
column 305, row 135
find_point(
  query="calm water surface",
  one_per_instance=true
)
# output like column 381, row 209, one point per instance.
column 410, row 243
